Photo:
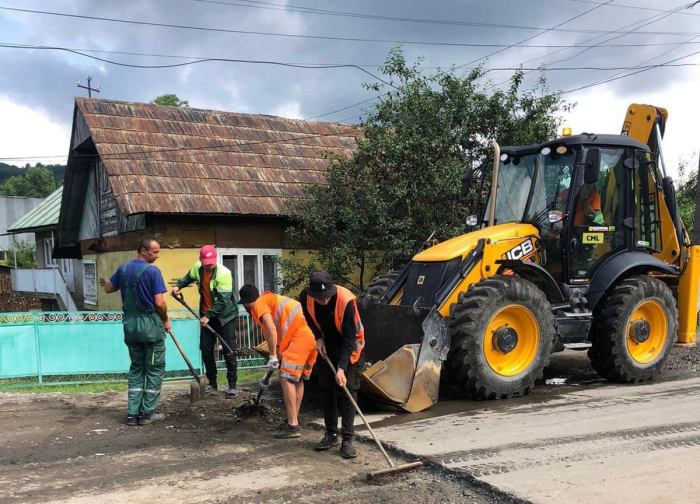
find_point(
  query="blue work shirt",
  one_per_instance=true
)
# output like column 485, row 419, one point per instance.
column 150, row 284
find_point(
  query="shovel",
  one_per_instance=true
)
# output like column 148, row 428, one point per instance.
column 181, row 299
column 266, row 381
column 197, row 385
column 393, row 468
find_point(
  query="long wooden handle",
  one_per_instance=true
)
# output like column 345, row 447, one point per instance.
column 182, row 352
column 359, row 412
column 182, row 301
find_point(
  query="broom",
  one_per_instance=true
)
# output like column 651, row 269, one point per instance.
column 393, row 468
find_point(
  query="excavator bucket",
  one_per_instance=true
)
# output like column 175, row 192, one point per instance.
column 406, row 347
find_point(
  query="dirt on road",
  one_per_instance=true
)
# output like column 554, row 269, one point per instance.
column 77, row 449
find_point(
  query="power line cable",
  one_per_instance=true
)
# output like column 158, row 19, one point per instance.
column 557, row 26
column 326, row 12
column 642, row 23
column 642, row 67
column 315, row 37
column 618, row 77
column 187, row 63
column 577, row 16
column 216, row 146
column 625, row 6
column 315, row 66
column 366, row 65
column 354, row 130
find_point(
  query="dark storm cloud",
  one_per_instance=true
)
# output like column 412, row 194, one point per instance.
column 47, row 79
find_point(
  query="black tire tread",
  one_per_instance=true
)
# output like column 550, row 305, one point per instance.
column 468, row 319
column 379, row 285
column 608, row 354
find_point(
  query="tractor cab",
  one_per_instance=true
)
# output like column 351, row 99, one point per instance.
column 589, row 196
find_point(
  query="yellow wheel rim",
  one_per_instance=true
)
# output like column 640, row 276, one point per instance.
column 647, row 331
column 523, row 322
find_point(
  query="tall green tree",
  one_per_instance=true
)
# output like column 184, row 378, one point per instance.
column 171, row 100
column 403, row 182
column 37, row 182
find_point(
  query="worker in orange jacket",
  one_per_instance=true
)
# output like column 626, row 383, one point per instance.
column 291, row 345
column 331, row 311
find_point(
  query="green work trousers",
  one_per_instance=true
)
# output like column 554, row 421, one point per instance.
column 145, row 376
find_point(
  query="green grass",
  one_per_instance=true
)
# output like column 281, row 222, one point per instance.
column 248, row 375
column 29, row 386
column 19, row 388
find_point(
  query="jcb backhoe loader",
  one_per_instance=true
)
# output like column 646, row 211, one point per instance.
column 581, row 246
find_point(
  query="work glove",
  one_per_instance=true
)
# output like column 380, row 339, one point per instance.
column 264, row 385
column 273, row 363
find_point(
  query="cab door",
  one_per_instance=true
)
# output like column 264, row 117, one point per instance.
column 597, row 214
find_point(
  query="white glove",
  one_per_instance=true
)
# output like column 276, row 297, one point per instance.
column 273, row 363
column 264, row 385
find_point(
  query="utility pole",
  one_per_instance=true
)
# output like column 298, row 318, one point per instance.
column 88, row 87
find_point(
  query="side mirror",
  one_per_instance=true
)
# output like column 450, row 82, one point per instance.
column 592, row 168
column 631, row 164
column 555, row 216
column 466, row 181
column 472, row 221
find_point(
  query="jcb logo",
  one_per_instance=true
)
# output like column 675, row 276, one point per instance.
column 520, row 251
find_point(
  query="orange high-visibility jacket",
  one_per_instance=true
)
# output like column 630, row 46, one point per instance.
column 286, row 314
column 344, row 296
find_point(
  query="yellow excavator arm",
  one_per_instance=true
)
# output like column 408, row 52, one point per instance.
column 647, row 123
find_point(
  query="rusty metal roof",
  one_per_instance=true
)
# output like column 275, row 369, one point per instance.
column 184, row 160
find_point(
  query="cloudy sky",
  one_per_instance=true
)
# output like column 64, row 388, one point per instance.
column 37, row 86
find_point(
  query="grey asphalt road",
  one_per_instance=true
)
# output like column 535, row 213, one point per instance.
column 582, row 442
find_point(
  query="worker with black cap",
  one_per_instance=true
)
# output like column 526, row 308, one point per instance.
column 331, row 311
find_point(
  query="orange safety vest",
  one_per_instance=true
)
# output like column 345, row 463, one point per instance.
column 287, row 316
column 343, row 297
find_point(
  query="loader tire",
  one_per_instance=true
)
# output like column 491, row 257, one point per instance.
column 634, row 328
column 378, row 286
column 502, row 337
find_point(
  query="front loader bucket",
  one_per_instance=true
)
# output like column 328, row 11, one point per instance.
column 406, row 348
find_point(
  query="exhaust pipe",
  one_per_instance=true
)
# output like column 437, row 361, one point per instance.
column 494, row 182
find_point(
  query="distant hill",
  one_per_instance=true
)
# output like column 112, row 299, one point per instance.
column 7, row 171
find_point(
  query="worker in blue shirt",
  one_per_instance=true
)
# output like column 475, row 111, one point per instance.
column 145, row 324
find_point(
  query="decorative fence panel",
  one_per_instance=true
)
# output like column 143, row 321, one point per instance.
column 81, row 347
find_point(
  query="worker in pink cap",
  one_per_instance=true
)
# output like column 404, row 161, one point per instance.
column 216, row 308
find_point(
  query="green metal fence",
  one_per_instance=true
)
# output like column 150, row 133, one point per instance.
column 88, row 347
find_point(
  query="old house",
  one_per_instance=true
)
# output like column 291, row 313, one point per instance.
column 58, row 282
column 188, row 177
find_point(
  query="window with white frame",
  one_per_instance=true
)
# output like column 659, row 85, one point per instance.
column 90, row 282
column 252, row 266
